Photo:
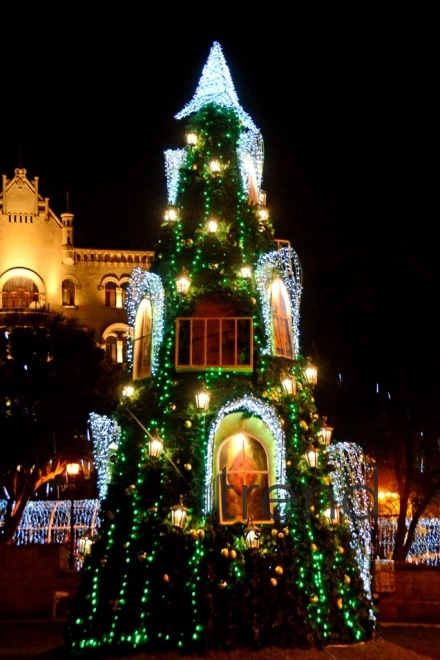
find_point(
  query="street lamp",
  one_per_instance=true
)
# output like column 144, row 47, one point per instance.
column 72, row 470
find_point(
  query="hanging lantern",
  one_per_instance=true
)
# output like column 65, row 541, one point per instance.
column 73, row 469
column 252, row 534
column 289, row 384
column 202, row 399
column 155, row 445
column 191, row 138
column 310, row 373
column 312, row 457
column 246, row 272
column 170, row 214
column 325, row 434
column 178, row 514
column 183, row 283
column 214, row 166
column 128, row 391
column 333, row 514
column 263, row 214
column 212, row 226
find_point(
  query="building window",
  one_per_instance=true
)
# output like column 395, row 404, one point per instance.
column 142, row 340
column 110, row 294
column 19, row 292
column 68, row 288
column 116, row 348
column 243, row 479
column 282, row 337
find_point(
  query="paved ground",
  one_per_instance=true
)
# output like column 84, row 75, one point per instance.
column 44, row 639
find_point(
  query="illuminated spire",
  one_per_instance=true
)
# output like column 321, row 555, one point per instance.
column 216, row 86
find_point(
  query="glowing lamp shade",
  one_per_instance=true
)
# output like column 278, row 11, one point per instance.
column 191, row 138
column 178, row 515
column 212, row 226
column 128, row 391
column 325, row 433
column 85, row 545
column 289, row 384
column 183, row 283
column 311, row 373
column 312, row 457
column 73, row 469
column 252, row 535
column 246, row 272
column 202, row 399
column 170, row 214
column 263, row 214
column 332, row 514
column 155, row 446
column 214, row 166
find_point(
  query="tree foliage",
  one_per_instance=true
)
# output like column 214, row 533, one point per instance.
column 52, row 375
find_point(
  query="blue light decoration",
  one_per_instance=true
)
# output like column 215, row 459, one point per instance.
column 174, row 159
column 144, row 284
column 105, row 432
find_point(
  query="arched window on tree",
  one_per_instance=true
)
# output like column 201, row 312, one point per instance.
column 110, row 294
column 19, row 292
column 282, row 335
column 243, row 473
column 142, row 340
column 68, row 288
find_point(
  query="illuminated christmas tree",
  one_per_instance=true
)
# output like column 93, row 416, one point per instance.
column 230, row 519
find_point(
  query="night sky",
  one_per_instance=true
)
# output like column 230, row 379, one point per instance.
column 348, row 109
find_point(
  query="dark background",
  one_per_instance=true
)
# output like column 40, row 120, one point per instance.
column 347, row 104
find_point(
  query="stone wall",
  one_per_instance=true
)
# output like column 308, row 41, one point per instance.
column 416, row 598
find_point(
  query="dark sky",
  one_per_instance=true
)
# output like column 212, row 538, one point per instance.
column 348, row 109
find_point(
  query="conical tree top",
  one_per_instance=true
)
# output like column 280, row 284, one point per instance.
column 216, row 86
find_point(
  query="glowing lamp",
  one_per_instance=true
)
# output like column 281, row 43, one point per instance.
column 202, row 399
column 73, row 469
column 333, row 515
column 178, row 514
column 155, row 446
column 170, row 214
column 183, row 283
column 263, row 214
column 85, row 545
column 311, row 373
column 214, row 166
column 325, row 433
column 246, row 272
column 212, row 226
column 191, row 138
column 252, row 535
column 289, row 384
column 128, row 391
column 312, row 457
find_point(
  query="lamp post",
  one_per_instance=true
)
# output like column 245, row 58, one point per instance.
column 72, row 470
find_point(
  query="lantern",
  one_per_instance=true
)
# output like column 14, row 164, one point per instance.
column 178, row 514
column 311, row 373
column 325, row 433
column 155, row 445
column 191, row 139
column 289, row 384
column 183, row 283
column 333, row 514
column 212, row 226
column 202, row 399
column 214, row 166
column 312, row 457
column 246, row 272
column 252, row 535
column 170, row 214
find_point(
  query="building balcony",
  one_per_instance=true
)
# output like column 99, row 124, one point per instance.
column 211, row 343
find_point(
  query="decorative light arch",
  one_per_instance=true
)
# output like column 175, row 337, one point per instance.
column 144, row 284
column 269, row 425
column 282, row 263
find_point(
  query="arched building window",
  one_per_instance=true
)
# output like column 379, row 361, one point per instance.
column 142, row 340
column 110, row 294
column 282, row 336
column 19, row 292
column 116, row 342
column 68, row 289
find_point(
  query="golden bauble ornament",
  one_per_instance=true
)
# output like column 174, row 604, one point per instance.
column 312, row 509
column 153, row 509
column 304, row 425
column 187, row 424
column 340, row 603
column 314, row 599
column 201, row 533
column 193, row 533
column 142, row 555
column 225, row 552
column 232, row 554
column 280, row 535
column 341, row 549
column 171, row 407
column 286, row 531
column 274, row 532
column 188, row 466
column 279, row 570
column 222, row 584
column 347, row 578
column 273, row 582
column 166, row 577
column 288, row 463
column 103, row 560
column 313, row 547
